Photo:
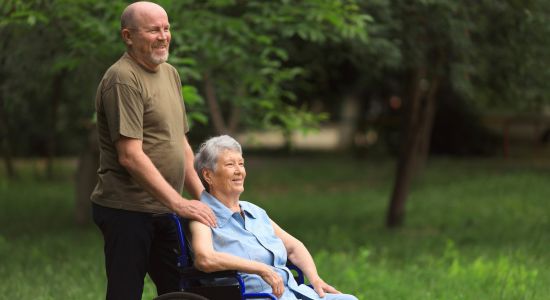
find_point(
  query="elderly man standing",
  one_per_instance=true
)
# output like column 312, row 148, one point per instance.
column 145, row 159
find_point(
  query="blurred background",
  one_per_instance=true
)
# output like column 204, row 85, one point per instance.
column 407, row 143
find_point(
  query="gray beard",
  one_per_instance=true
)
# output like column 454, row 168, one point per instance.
column 159, row 60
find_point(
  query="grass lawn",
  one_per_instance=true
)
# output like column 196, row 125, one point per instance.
column 475, row 229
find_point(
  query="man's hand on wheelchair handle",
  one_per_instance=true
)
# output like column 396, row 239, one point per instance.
column 198, row 211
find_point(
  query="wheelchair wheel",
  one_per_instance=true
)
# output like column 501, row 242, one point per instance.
column 180, row 296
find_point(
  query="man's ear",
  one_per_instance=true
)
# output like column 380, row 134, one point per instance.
column 126, row 36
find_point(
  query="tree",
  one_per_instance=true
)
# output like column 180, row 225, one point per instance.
column 234, row 52
column 15, row 16
column 446, row 41
column 53, row 50
column 483, row 53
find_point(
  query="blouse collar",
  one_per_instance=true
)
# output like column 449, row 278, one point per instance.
column 222, row 212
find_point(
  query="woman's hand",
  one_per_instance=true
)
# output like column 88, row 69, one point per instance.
column 274, row 280
column 321, row 287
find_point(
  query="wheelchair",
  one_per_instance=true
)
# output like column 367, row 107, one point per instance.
column 222, row 285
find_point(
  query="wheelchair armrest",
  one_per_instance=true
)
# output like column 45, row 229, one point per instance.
column 299, row 277
column 192, row 273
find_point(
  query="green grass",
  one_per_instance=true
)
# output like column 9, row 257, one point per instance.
column 475, row 229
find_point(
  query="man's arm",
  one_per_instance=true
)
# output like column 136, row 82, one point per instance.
column 300, row 256
column 209, row 260
column 192, row 182
column 142, row 169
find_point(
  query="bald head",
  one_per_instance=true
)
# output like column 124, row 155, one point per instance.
column 146, row 33
column 133, row 13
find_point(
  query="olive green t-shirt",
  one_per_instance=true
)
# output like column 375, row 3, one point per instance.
column 136, row 103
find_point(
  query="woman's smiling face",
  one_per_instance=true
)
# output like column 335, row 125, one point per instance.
column 228, row 177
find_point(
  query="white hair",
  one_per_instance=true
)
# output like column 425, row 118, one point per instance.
column 207, row 156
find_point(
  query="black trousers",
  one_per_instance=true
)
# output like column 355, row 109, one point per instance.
column 137, row 244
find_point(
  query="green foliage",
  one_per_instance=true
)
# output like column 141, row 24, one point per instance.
column 295, row 119
column 512, row 39
column 50, row 69
column 239, row 46
column 194, row 105
column 271, row 60
column 54, row 53
column 20, row 12
column 489, row 51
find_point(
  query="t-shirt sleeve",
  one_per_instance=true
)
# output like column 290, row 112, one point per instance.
column 123, row 108
column 185, row 121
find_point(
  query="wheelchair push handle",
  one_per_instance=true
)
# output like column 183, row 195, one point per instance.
column 183, row 257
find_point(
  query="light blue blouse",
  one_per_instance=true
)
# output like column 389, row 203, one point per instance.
column 253, row 237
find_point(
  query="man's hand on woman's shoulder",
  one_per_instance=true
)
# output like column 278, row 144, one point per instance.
column 198, row 211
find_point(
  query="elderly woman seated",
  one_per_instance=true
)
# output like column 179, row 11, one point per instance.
column 246, row 239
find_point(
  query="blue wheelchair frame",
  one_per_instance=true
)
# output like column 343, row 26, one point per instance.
column 188, row 272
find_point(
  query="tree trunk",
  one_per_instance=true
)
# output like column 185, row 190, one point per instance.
column 429, row 112
column 420, row 120
column 423, row 150
column 5, row 142
column 213, row 106
column 86, row 178
column 349, row 119
column 5, row 146
column 57, row 86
